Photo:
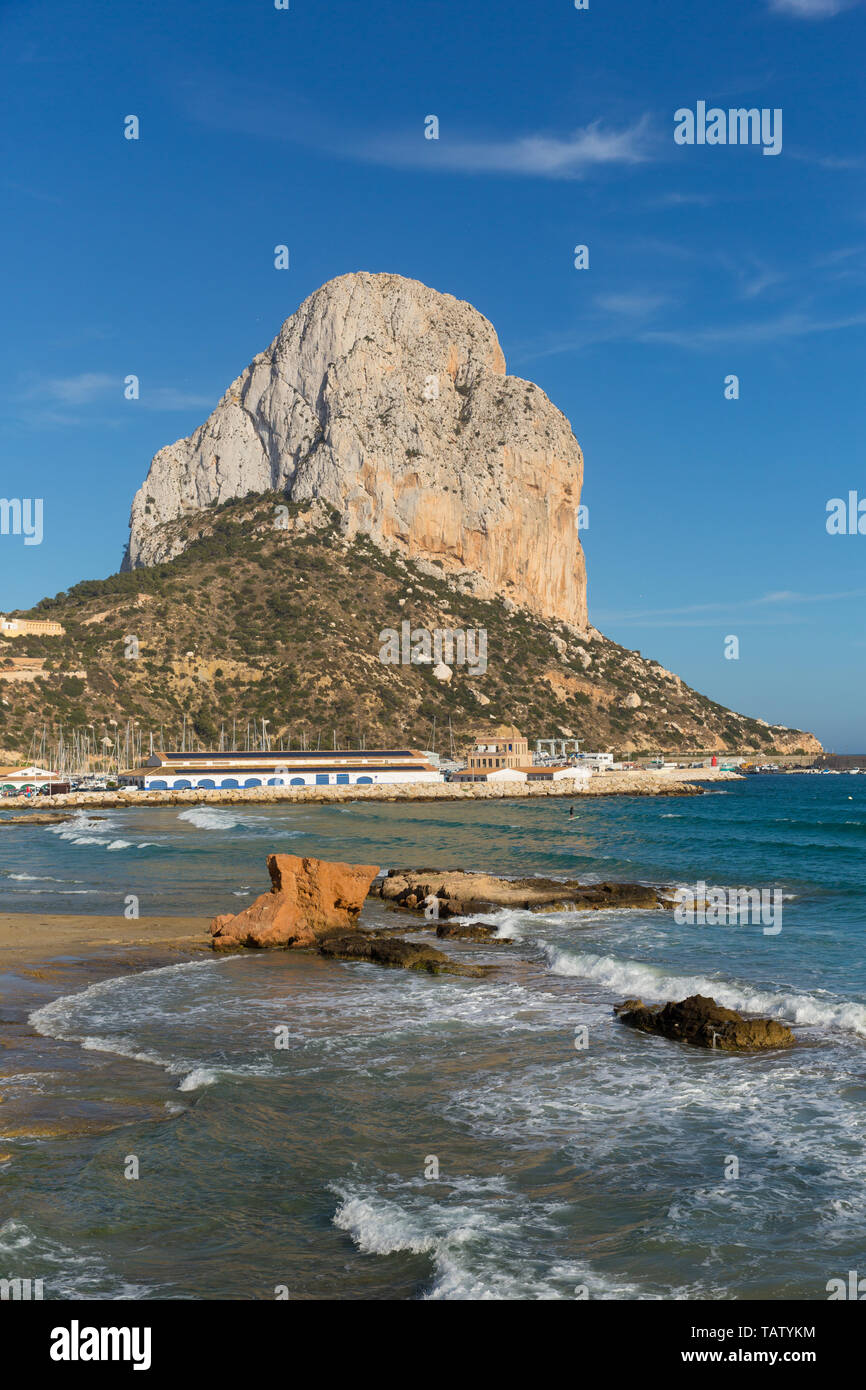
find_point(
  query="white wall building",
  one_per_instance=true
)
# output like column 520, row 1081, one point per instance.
column 596, row 762
column 208, row 771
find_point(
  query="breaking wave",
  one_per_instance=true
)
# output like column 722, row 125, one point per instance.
column 636, row 978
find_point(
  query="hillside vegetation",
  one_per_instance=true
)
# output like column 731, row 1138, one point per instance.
column 252, row 621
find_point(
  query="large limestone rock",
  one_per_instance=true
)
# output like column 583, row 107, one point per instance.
column 703, row 1022
column 460, row 893
column 389, row 402
column 308, row 899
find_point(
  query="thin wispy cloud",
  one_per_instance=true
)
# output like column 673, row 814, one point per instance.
column 170, row 398
column 91, row 388
column 216, row 100
column 782, row 603
column 39, row 194
column 570, row 156
column 756, row 280
column 634, row 304
column 76, row 390
column 685, row 200
column 794, row 324
column 835, row 163
column 810, row 9
column 659, row 316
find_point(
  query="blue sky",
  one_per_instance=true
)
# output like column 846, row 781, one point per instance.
column 305, row 127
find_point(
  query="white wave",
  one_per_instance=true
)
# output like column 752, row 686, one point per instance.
column 31, row 1082
column 201, row 1076
column 62, row 892
column 508, row 922
column 193, row 1075
column 120, row 1047
column 636, row 978
column 98, row 827
column 59, row 1018
column 83, row 829
column 213, row 817
column 42, row 878
column 477, row 1247
column 66, row 1272
column 72, row 1018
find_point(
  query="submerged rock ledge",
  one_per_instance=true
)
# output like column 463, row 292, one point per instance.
column 392, row 950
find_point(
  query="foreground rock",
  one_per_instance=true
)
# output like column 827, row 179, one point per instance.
column 704, row 1023
column 391, row 950
column 308, row 897
column 461, row 893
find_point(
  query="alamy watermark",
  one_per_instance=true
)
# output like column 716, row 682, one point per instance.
column 21, row 1290
column 854, row 1289
column 441, row 646
column 77, row 1343
column 737, row 126
column 22, row 516
column 846, row 517
column 729, row 907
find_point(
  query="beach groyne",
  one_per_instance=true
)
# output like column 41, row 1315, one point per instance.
column 682, row 782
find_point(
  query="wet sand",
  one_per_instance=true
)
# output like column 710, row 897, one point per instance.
column 31, row 938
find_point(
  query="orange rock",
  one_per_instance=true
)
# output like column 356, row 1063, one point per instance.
column 308, row 897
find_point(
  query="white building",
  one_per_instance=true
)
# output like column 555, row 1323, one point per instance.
column 30, row 627
column 564, row 772
column 185, row 771
column 596, row 762
column 17, row 779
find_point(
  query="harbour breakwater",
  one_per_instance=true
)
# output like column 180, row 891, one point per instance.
column 633, row 783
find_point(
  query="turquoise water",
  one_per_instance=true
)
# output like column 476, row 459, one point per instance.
column 560, row 1170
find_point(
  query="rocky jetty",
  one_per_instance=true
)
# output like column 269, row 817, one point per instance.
column 308, row 898
column 460, row 893
column 682, row 783
column 704, row 1023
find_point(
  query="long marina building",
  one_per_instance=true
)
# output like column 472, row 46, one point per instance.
column 182, row 771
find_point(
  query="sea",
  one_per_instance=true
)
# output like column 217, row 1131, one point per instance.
column 274, row 1125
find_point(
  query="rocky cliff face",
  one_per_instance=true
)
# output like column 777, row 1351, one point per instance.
column 390, row 402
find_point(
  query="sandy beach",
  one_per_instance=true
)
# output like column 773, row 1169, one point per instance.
column 30, row 938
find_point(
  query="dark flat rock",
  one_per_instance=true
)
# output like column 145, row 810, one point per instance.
column 393, row 951
column 702, row 1022
column 470, row 931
